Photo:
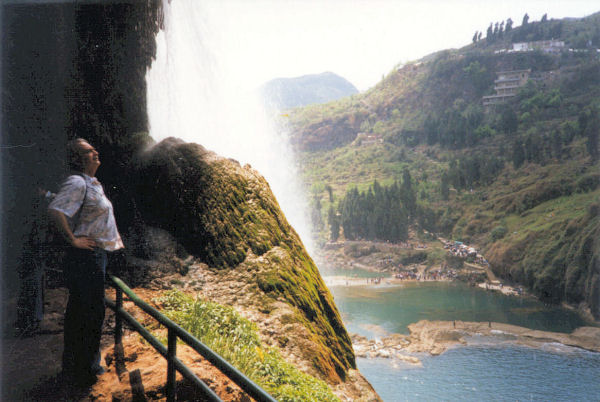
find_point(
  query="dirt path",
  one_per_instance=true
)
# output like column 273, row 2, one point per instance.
column 487, row 269
column 31, row 365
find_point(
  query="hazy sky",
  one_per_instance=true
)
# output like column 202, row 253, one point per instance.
column 359, row 40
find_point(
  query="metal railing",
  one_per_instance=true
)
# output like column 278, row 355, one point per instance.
column 170, row 352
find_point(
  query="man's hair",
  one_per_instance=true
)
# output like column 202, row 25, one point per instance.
column 74, row 154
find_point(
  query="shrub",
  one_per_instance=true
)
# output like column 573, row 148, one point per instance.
column 498, row 233
column 454, row 261
column 587, row 183
column 414, row 258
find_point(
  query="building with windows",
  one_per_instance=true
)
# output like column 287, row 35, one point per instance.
column 506, row 86
column 548, row 46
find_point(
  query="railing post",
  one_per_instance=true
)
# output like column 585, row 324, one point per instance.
column 172, row 353
column 118, row 319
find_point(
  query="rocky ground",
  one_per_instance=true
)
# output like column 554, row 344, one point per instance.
column 233, row 288
column 435, row 337
column 386, row 258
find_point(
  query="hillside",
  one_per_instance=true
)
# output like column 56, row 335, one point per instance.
column 287, row 93
column 519, row 179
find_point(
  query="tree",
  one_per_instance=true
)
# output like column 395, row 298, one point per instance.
column 445, row 186
column 556, row 29
column 407, row 191
column 330, row 192
column 454, row 175
column 490, row 33
column 544, row 18
column 509, row 24
column 350, row 209
column 430, row 126
column 478, row 75
column 509, row 122
column 525, row 20
column 592, row 132
column 556, row 143
column 377, row 214
column 582, row 120
column 475, row 37
column 518, row 154
column 479, row 36
column 316, row 216
column 334, row 224
column 482, row 131
column 533, row 148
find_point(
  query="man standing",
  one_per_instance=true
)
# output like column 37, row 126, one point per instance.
column 84, row 217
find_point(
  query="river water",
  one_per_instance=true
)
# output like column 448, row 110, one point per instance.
column 487, row 369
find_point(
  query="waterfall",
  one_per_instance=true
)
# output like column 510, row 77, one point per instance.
column 199, row 93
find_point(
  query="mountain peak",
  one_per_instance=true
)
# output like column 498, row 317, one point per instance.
column 287, row 93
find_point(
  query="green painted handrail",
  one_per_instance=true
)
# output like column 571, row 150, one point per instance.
column 175, row 331
column 160, row 348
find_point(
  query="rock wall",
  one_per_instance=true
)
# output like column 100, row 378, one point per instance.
column 69, row 70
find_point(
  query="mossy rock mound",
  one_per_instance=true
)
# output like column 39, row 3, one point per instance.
column 226, row 216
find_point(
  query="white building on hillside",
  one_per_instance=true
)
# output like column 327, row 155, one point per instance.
column 507, row 86
column 548, row 46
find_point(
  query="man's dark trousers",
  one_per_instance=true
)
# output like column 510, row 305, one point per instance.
column 84, row 277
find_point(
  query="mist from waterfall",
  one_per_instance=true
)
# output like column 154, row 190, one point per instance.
column 199, row 93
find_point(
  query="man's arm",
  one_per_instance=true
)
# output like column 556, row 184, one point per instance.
column 60, row 221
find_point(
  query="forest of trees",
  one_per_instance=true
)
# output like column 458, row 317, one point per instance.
column 385, row 212
column 380, row 213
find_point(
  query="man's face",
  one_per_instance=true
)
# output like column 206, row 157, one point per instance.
column 89, row 155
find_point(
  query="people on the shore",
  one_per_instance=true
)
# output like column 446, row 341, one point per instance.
column 459, row 249
column 84, row 216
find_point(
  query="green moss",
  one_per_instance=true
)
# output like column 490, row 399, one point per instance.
column 302, row 287
column 216, row 210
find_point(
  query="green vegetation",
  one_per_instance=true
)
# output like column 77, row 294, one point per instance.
column 235, row 338
column 302, row 287
column 381, row 213
column 227, row 216
column 553, row 249
column 481, row 175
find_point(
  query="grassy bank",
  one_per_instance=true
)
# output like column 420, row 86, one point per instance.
column 235, row 338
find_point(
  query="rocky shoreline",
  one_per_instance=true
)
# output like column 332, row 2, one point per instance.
column 393, row 264
column 435, row 337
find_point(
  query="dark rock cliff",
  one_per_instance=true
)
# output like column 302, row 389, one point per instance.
column 69, row 71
